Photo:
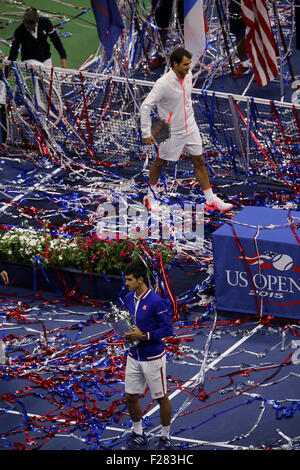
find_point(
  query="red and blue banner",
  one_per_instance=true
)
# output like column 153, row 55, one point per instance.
column 257, row 263
column 109, row 23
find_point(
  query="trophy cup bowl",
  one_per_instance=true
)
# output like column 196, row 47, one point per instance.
column 122, row 322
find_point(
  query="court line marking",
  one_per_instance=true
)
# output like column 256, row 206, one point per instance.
column 190, row 382
column 175, row 393
column 113, row 428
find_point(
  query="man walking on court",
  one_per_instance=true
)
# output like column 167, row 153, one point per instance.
column 172, row 95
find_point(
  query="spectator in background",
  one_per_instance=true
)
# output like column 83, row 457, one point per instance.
column 238, row 29
column 163, row 15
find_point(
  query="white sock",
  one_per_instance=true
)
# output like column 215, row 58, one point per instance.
column 209, row 195
column 137, row 427
column 165, row 431
column 153, row 186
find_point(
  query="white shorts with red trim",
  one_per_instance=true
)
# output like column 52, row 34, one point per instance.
column 140, row 374
column 172, row 149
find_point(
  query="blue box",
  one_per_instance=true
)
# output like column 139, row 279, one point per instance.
column 257, row 263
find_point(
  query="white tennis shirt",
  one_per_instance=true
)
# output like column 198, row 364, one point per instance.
column 173, row 99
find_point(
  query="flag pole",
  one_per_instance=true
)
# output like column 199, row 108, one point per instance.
column 224, row 36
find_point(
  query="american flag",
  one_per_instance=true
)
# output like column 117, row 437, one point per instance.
column 260, row 43
column 109, row 23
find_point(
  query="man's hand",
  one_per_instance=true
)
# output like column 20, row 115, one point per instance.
column 149, row 140
column 63, row 63
column 136, row 333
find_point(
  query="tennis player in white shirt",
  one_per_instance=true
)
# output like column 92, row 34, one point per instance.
column 172, row 95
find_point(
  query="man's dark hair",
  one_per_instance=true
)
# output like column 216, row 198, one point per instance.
column 178, row 54
column 137, row 269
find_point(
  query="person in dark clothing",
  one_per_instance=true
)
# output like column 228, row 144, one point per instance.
column 163, row 14
column 237, row 27
column 32, row 36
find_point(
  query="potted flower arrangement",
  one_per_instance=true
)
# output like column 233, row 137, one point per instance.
column 45, row 253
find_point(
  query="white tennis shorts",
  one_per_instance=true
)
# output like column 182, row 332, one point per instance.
column 172, row 149
column 140, row 374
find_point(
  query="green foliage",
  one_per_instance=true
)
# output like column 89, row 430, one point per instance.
column 26, row 246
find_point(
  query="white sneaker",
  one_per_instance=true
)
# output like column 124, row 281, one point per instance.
column 216, row 204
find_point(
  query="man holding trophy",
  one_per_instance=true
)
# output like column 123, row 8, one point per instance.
column 146, row 361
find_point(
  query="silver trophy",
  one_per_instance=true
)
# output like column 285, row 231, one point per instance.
column 122, row 322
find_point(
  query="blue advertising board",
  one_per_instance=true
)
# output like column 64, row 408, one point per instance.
column 257, row 263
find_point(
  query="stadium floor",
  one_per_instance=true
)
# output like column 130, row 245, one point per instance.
column 231, row 379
